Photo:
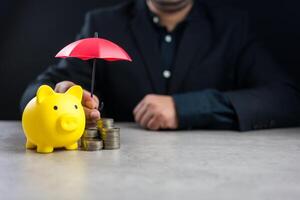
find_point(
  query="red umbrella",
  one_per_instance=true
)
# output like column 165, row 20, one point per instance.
column 94, row 48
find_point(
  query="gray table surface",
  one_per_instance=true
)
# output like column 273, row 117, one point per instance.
column 157, row 165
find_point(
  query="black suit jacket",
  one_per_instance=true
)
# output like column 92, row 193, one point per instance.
column 216, row 52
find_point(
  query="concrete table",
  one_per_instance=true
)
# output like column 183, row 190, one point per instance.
column 157, row 165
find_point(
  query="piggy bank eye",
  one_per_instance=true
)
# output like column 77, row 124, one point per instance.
column 55, row 107
column 76, row 107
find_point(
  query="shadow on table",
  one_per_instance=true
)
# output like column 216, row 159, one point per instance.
column 135, row 126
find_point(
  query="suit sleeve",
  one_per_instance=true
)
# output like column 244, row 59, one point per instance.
column 264, row 97
column 209, row 109
column 70, row 69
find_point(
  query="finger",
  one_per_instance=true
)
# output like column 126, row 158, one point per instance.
column 139, row 114
column 96, row 99
column 163, row 125
column 90, row 124
column 63, row 86
column 146, row 117
column 138, row 107
column 92, row 115
column 87, row 95
column 88, row 101
column 57, row 87
column 153, row 123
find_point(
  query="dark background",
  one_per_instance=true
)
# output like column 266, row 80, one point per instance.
column 33, row 31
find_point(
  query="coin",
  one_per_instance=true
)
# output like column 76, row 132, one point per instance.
column 108, row 147
column 92, row 145
column 105, row 123
column 90, row 133
column 79, row 143
column 111, row 138
column 103, row 135
column 111, row 133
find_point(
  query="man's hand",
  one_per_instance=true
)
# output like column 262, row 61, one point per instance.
column 90, row 105
column 156, row 112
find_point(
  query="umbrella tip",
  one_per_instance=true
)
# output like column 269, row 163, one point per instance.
column 96, row 35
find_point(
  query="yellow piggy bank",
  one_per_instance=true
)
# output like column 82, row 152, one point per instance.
column 53, row 120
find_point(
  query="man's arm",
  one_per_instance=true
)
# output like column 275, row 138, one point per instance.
column 264, row 98
column 67, row 73
column 67, row 69
column 208, row 109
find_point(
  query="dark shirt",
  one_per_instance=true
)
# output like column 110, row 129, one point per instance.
column 222, row 113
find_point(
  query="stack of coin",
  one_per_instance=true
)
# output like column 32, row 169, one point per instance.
column 90, row 140
column 109, row 134
column 111, row 138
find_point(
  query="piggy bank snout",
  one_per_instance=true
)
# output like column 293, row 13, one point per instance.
column 68, row 122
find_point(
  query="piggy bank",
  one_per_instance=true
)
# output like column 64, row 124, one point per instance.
column 54, row 120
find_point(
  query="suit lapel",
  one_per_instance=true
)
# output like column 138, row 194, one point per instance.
column 195, row 42
column 146, row 40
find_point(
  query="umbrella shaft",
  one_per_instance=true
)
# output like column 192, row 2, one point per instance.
column 93, row 78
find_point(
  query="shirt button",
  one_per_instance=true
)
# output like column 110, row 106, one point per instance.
column 155, row 20
column 168, row 38
column 166, row 74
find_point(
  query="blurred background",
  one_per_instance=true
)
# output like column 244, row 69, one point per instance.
column 32, row 32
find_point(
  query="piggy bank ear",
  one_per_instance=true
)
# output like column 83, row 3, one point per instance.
column 43, row 92
column 76, row 91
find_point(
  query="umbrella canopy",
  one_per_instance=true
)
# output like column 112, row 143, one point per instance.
column 92, row 48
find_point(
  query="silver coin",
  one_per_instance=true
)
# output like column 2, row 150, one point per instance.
column 112, row 139
column 92, row 145
column 112, row 147
column 91, row 133
column 110, row 132
column 112, row 142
